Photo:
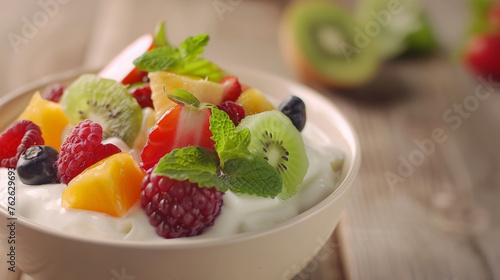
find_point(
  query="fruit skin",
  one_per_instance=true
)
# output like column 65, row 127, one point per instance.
column 234, row 110
column 253, row 102
column 37, row 165
column 81, row 149
column 53, row 92
column 111, row 186
column 122, row 69
column 181, row 126
column 348, row 66
column 295, row 109
column 483, row 56
column 179, row 208
column 49, row 116
column 162, row 82
column 232, row 88
column 16, row 139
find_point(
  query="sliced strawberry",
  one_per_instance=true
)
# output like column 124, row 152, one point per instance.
column 122, row 68
column 232, row 88
column 181, row 126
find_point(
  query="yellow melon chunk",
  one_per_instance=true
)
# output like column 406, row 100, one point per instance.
column 253, row 102
column 110, row 186
column 49, row 116
column 161, row 82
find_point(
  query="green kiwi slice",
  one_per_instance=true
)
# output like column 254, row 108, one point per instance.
column 275, row 138
column 106, row 102
column 323, row 42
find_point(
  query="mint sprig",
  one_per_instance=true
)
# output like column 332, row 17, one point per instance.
column 184, row 60
column 231, row 166
column 229, row 143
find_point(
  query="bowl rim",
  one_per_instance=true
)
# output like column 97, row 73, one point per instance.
column 346, row 130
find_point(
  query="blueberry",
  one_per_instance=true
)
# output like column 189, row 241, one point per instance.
column 295, row 109
column 37, row 165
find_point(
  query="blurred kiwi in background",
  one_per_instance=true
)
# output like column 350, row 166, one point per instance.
column 344, row 47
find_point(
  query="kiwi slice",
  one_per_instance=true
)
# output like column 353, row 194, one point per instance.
column 324, row 43
column 403, row 28
column 106, row 102
column 275, row 138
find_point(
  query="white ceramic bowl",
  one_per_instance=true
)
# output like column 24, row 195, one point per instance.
column 276, row 252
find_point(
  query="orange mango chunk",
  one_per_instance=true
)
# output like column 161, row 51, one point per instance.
column 253, row 102
column 49, row 116
column 111, row 186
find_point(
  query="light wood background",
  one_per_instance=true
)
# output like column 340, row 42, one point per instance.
column 441, row 222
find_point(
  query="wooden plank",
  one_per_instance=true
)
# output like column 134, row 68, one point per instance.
column 437, row 223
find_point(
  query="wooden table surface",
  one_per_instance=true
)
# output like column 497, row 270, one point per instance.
column 426, row 201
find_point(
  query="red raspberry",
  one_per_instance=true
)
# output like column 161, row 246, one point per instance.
column 179, row 208
column 234, row 110
column 53, row 92
column 18, row 138
column 81, row 149
column 143, row 96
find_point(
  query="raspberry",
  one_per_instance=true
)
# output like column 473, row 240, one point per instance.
column 18, row 138
column 234, row 110
column 179, row 208
column 143, row 97
column 81, row 149
column 53, row 92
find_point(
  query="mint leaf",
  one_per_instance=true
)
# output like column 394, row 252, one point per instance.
column 184, row 60
column 192, row 47
column 158, row 59
column 184, row 96
column 195, row 164
column 253, row 176
column 229, row 143
column 159, row 38
column 201, row 68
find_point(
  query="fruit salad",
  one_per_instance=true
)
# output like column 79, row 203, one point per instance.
column 162, row 144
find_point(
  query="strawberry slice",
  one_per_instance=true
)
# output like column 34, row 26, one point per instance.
column 231, row 88
column 181, row 126
column 122, row 68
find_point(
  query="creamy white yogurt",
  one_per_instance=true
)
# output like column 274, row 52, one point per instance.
column 42, row 204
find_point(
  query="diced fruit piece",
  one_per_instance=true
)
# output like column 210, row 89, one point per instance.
column 179, row 208
column 253, row 102
column 81, row 149
column 483, row 56
column 318, row 42
column 181, row 126
column 162, row 82
column 294, row 108
column 16, row 139
column 143, row 96
column 106, row 102
column 122, row 68
column 53, row 92
column 37, row 165
column 234, row 110
column 110, row 186
column 49, row 116
column 275, row 138
column 232, row 88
